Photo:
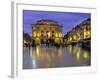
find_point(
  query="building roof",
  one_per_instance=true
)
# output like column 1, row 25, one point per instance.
column 47, row 22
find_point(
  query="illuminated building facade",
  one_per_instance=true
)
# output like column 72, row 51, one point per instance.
column 26, row 39
column 80, row 33
column 47, row 31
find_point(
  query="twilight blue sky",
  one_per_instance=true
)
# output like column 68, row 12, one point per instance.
column 67, row 19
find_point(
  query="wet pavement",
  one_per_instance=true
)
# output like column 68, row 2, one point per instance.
column 52, row 57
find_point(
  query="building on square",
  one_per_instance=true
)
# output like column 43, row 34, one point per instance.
column 80, row 33
column 47, row 31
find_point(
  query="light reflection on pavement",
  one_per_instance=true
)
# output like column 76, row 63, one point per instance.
column 52, row 57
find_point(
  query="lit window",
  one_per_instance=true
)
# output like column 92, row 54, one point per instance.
column 60, row 34
column 56, row 35
column 34, row 34
column 38, row 35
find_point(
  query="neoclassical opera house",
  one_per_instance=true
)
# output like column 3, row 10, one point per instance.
column 45, row 30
